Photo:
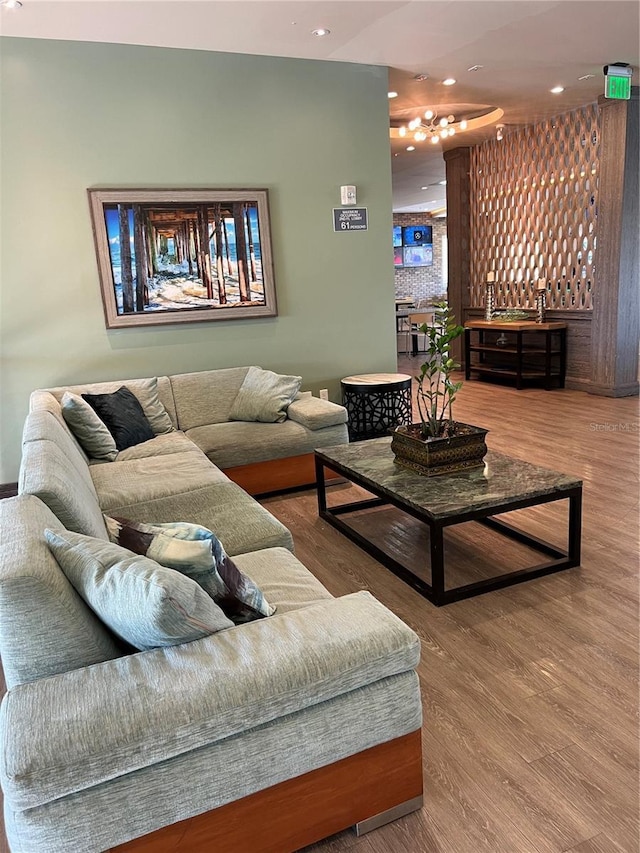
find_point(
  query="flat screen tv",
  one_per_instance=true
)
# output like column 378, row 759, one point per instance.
column 397, row 235
column 417, row 235
column 398, row 260
column 418, row 256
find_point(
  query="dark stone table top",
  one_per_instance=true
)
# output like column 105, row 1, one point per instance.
column 502, row 480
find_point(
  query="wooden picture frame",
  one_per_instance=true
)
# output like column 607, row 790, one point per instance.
column 181, row 280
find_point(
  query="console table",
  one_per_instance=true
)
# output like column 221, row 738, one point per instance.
column 375, row 403
column 525, row 352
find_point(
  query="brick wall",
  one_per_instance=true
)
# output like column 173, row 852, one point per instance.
column 423, row 282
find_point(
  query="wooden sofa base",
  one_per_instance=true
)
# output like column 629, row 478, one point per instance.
column 275, row 475
column 303, row 810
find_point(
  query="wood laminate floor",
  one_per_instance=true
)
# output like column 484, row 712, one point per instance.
column 530, row 694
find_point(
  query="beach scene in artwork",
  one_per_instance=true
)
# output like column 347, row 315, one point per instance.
column 167, row 257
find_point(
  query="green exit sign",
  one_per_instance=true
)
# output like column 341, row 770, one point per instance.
column 617, row 82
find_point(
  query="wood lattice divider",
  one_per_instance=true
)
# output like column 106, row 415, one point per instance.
column 534, row 202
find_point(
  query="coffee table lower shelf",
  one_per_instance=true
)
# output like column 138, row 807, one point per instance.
column 436, row 592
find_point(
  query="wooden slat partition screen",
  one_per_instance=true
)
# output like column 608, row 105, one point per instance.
column 534, row 201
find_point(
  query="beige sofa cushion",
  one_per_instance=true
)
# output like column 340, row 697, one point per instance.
column 240, row 443
column 284, row 581
column 161, row 445
column 314, row 414
column 147, row 479
column 264, row 396
column 45, row 627
column 206, row 397
column 180, row 699
column 239, row 521
column 54, row 468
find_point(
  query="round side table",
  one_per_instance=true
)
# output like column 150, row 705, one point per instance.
column 376, row 403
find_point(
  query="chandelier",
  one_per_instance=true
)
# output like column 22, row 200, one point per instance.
column 429, row 126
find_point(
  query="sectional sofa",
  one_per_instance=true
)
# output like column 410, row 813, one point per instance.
column 259, row 738
column 259, row 456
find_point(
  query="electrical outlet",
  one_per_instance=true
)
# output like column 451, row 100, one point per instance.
column 324, row 394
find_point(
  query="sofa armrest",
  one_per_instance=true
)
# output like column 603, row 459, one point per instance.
column 314, row 413
column 78, row 729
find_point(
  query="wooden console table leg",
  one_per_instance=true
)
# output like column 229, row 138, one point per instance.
column 519, row 360
column 547, row 361
column 467, row 353
column 563, row 355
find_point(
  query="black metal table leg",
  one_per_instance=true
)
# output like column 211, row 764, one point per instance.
column 436, row 540
column 575, row 527
column 321, row 487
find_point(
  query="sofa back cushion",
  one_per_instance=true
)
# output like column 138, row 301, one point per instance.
column 45, row 627
column 55, row 469
column 45, row 401
column 155, row 396
column 206, row 397
column 264, row 396
column 45, row 426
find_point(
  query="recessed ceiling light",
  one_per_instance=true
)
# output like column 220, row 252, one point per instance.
column 392, row 94
column 411, row 147
column 444, row 183
column 11, row 4
column 424, row 188
column 321, row 31
column 449, row 81
column 557, row 90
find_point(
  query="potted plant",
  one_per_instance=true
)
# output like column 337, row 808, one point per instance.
column 439, row 444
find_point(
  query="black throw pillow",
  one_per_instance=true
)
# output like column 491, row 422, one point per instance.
column 123, row 416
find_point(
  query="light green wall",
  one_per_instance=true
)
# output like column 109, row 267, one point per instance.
column 76, row 115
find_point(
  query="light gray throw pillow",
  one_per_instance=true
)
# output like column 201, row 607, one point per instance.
column 91, row 432
column 145, row 604
column 264, row 396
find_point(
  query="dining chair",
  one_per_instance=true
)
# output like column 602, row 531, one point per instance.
column 416, row 320
column 403, row 330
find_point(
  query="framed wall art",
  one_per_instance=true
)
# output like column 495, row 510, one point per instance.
column 183, row 256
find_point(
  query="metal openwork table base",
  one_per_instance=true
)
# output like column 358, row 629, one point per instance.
column 376, row 403
column 502, row 486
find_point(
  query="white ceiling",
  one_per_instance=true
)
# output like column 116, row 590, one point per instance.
column 525, row 47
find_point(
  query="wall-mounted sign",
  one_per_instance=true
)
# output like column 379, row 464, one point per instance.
column 350, row 219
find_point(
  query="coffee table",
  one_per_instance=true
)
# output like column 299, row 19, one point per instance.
column 502, row 486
